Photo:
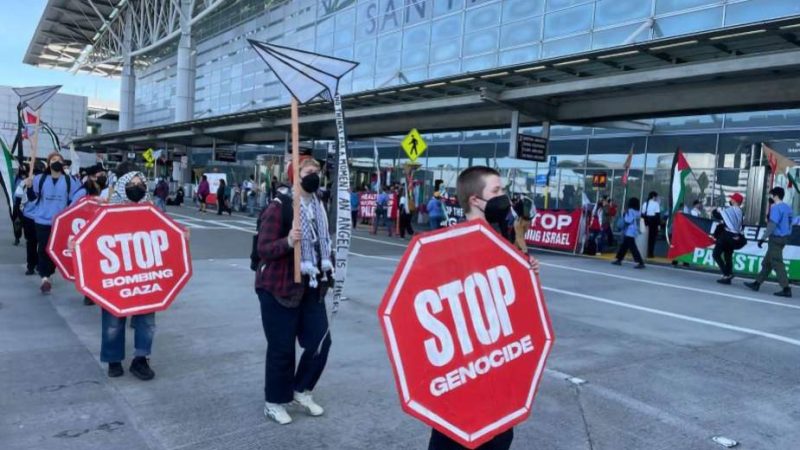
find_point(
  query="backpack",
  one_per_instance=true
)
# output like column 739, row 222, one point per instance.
column 69, row 188
column 287, row 216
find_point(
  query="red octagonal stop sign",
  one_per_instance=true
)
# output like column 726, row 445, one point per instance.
column 467, row 332
column 66, row 224
column 131, row 259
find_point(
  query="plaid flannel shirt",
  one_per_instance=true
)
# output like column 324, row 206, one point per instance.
column 275, row 272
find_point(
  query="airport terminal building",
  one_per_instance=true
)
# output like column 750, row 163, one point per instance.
column 598, row 77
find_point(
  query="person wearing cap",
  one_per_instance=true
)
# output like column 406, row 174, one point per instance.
column 779, row 229
column 93, row 186
column 729, row 236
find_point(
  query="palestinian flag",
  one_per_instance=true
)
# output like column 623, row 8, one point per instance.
column 689, row 233
column 7, row 174
column 780, row 164
column 680, row 171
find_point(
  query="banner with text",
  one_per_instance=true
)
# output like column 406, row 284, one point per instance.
column 557, row 229
column 367, row 202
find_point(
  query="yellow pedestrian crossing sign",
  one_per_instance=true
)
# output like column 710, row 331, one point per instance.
column 414, row 145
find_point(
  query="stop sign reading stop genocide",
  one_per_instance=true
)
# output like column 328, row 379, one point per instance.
column 131, row 259
column 467, row 331
column 66, row 224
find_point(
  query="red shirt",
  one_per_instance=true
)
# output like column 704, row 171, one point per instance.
column 275, row 272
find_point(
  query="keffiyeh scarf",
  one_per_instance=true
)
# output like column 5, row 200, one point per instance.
column 315, row 245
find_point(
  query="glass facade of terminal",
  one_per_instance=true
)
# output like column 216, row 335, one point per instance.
column 402, row 41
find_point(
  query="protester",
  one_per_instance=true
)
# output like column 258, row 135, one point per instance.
column 652, row 219
column 250, row 195
column 52, row 192
column 729, row 236
column 94, row 184
column 610, row 215
column 382, row 213
column 630, row 220
column 596, row 220
column 160, row 194
column 525, row 211
column 354, row 202
column 435, row 211
column 222, row 199
column 293, row 312
column 405, row 215
column 481, row 195
column 779, row 228
column 697, row 209
column 27, row 209
column 130, row 187
column 178, row 199
column 202, row 192
column 236, row 197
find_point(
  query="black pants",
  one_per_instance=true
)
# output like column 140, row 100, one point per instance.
column 308, row 324
column 45, row 265
column 354, row 217
column 405, row 225
column 723, row 254
column 441, row 442
column 29, row 231
column 629, row 243
column 16, row 219
column 652, row 234
column 222, row 206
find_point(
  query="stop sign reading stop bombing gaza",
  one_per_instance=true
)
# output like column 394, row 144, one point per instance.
column 467, row 332
column 131, row 259
column 65, row 225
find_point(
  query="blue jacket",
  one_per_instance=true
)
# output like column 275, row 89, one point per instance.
column 53, row 199
column 435, row 208
column 354, row 200
column 631, row 220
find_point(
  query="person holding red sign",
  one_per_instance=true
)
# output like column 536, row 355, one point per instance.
column 293, row 312
column 129, row 188
column 482, row 196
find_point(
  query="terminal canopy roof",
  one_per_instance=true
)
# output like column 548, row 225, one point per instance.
column 747, row 68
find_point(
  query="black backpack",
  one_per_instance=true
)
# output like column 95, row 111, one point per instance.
column 287, row 216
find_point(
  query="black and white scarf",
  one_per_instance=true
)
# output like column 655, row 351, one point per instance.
column 314, row 230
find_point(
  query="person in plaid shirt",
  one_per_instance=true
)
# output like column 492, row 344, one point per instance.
column 293, row 312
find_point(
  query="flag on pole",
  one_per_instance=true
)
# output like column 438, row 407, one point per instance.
column 780, row 164
column 30, row 125
column 680, row 171
column 377, row 166
column 7, row 175
column 627, row 167
column 75, row 167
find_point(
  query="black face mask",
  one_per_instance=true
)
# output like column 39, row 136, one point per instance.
column 135, row 193
column 497, row 209
column 310, row 183
column 56, row 166
column 101, row 181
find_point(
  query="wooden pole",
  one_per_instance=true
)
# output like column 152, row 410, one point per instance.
column 35, row 142
column 296, row 185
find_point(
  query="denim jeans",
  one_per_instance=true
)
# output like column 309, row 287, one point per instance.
column 160, row 204
column 307, row 324
column 435, row 222
column 112, row 348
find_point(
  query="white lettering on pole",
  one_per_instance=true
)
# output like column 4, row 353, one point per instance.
column 488, row 298
column 148, row 248
column 427, row 303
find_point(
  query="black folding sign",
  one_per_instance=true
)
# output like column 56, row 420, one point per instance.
column 531, row 148
column 225, row 155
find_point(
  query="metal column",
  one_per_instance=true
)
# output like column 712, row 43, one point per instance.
column 127, row 98
column 184, row 108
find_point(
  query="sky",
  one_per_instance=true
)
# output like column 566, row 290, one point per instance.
column 17, row 25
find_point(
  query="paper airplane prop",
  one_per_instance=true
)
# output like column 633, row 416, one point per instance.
column 306, row 75
column 35, row 97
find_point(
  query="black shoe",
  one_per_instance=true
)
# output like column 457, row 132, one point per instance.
column 785, row 292
column 115, row 370
column 141, row 370
column 30, row 272
column 639, row 266
column 724, row 280
column 16, row 242
column 617, row 263
column 87, row 301
column 754, row 285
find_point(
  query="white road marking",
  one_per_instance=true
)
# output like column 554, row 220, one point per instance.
column 722, row 325
column 672, row 286
column 380, row 241
column 190, row 223
column 219, row 224
column 726, row 326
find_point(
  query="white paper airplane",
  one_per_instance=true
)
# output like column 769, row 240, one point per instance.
column 36, row 96
column 305, row 74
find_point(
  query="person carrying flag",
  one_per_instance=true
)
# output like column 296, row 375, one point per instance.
column 729, row 236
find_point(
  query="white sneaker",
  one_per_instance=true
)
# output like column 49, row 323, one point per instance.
column 277, row 413
column 305, row 400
